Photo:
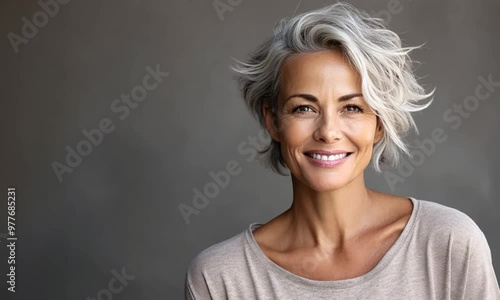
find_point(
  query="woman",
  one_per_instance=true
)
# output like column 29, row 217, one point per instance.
column 335, row 89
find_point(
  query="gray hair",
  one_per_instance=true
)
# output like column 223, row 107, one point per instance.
column 389, row 85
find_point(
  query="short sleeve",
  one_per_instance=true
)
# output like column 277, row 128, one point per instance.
column 188, row 294
column 481, row 281
column 195, row 284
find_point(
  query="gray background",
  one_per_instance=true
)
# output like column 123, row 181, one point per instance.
column 119, row 207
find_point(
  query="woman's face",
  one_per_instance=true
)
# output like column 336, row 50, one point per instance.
column 322, row 112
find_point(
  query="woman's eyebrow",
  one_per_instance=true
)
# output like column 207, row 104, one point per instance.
column 312, row 98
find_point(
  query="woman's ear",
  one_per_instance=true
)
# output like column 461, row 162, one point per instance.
column 379, row 131
column 270, row 122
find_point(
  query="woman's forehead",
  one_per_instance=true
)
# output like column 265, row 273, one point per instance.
column 319, row 72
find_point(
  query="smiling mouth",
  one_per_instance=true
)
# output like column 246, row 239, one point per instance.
column 333, row 157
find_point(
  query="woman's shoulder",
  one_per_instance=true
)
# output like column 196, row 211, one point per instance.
column 451, row 239
column 215, row 256
column 213, row 267
column 443, row 216
column 443, row 224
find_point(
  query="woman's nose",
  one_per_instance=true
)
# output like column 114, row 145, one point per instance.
column 328, row 128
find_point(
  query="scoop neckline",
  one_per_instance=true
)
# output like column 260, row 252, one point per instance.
column 342, row 283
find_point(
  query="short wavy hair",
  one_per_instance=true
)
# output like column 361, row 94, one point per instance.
column 388, row 82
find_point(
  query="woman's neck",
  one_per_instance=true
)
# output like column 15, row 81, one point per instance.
column 328, row 219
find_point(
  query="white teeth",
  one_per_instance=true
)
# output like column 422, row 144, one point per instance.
column 331, row 157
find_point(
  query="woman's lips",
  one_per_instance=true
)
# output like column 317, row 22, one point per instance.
column 327, row 160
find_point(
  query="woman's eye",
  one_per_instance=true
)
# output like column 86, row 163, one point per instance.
column 302, row 109
column 351, row 108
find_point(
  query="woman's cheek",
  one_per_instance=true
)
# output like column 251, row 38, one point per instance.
column 361, row 128
column 299, row 130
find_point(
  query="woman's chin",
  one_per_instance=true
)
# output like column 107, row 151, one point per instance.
column 325, row 184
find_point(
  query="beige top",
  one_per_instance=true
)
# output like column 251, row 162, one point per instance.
column 440, row 254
